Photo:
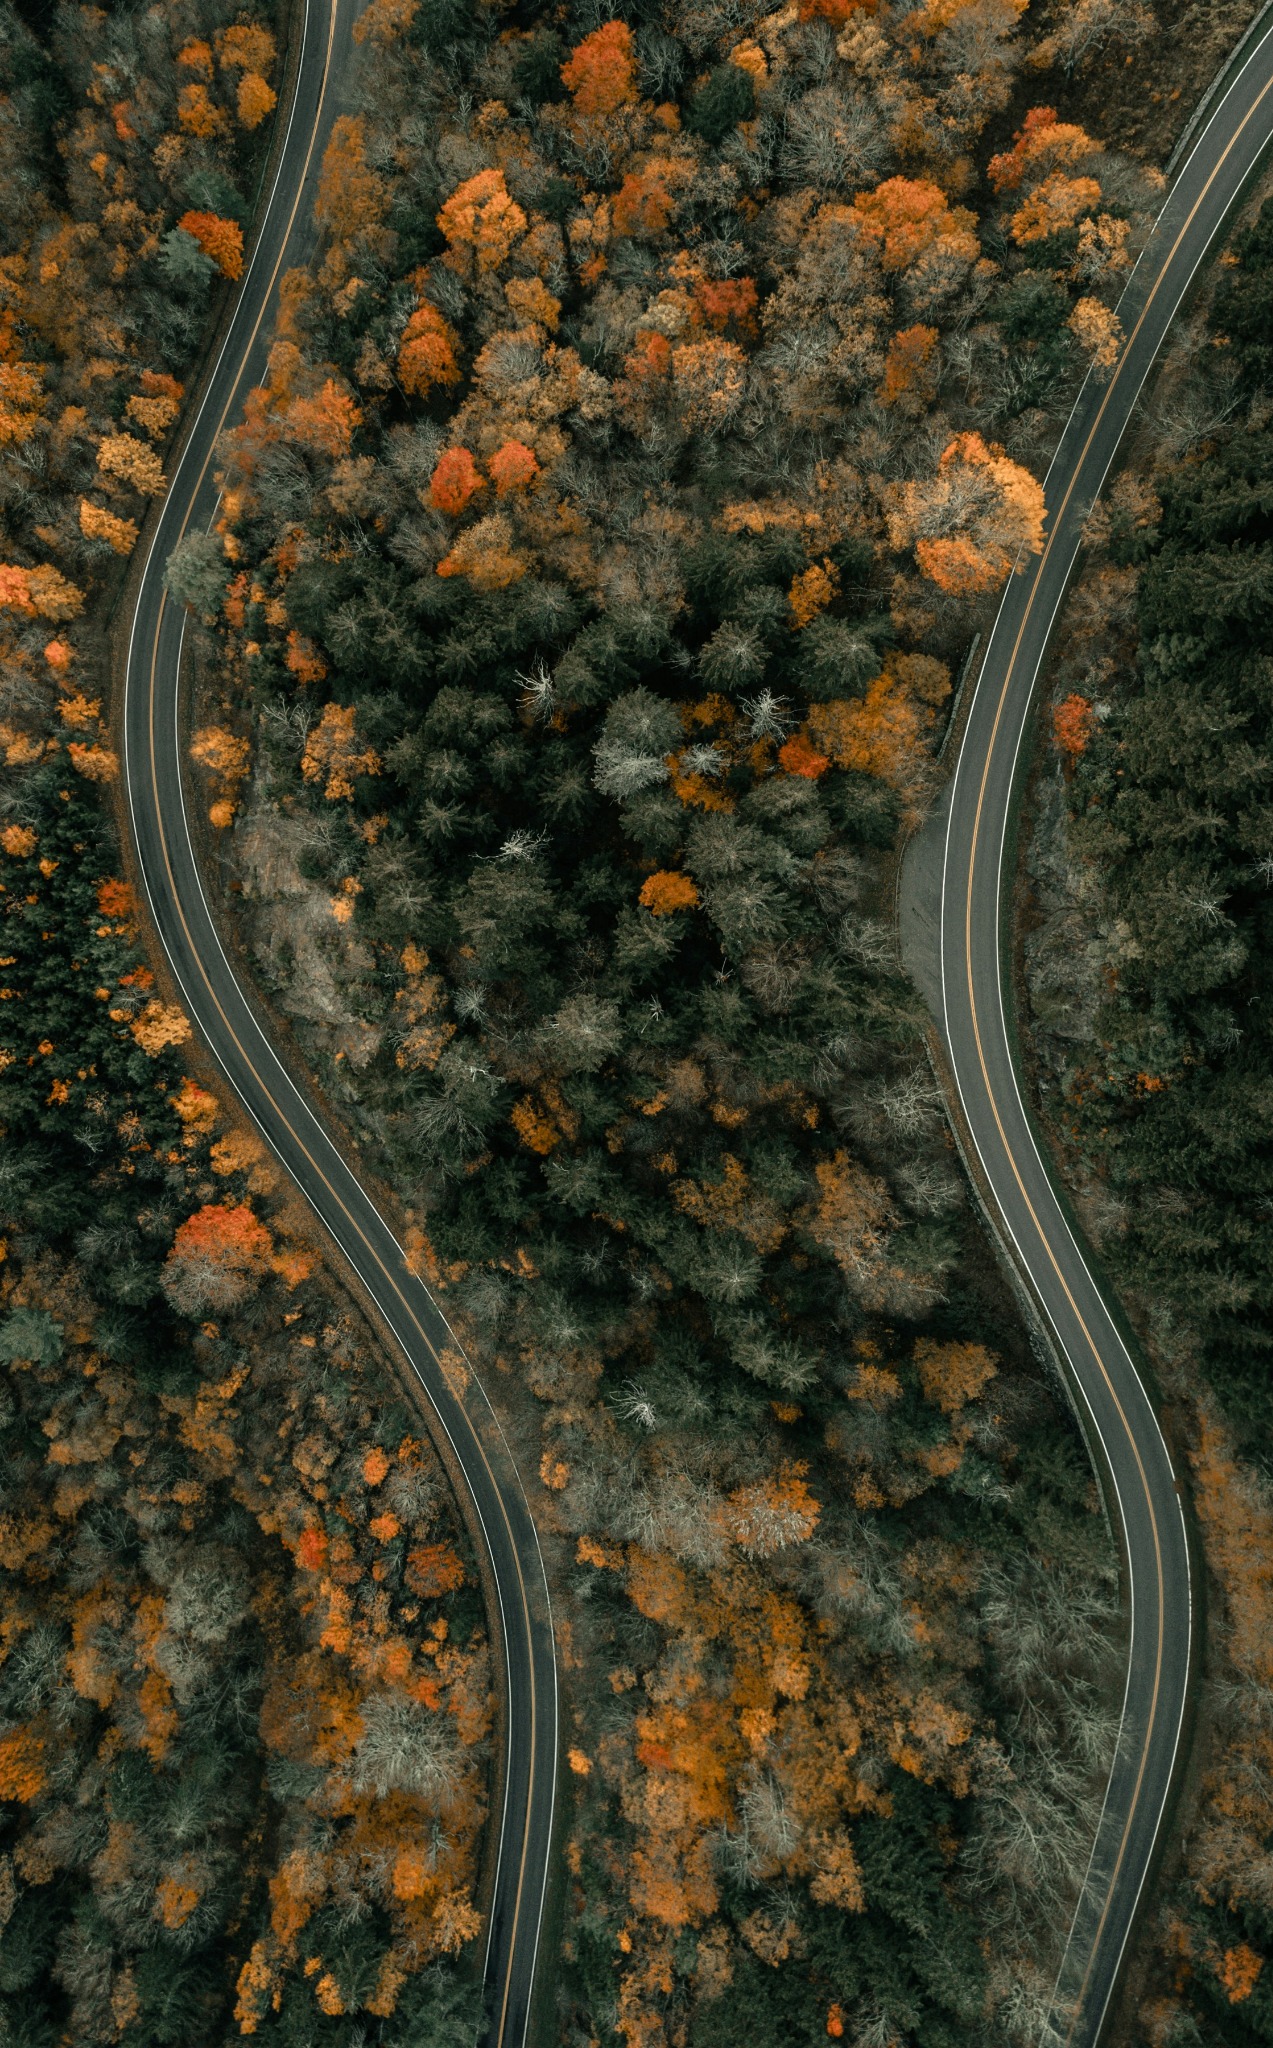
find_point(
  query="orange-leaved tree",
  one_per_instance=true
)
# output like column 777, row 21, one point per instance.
column 667, row 891
column 905, row 216
column 911, row 369
column 1098, row 331
column 220, row 239
column 1239, row 1972
column 351, row 196
column 485, row 554
column 812, row 590
column 481, row 221
column 837, row 12
column 132, row 462
column 218, row 1255
column 198, row 114
column 799, row 756
column 512, row 467
column 724, row 302
column 710, row 379
column 256, row 100
column 1043, row 160
column 455, row 481
column 433, row 1569
column 21, row 392
column 878, row 734
column 952, row 1374
column 324, row 420
column 333, row 756
column 774, row 1513
column 600, row 72
column 1057, row 203
column 42, row 592
column 972, row 521
column 1042, row 144
column 246, row 46
column 427, row 353
column 1072, row 722
column 96, row 523
column 644, row 204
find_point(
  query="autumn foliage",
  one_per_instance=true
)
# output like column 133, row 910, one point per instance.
column 226, row 757
column 799, row 756
column 1072, row 722
column 106, row 282
column 606, row 653
column 455, row 481
column 1042, row 146
column 350, row 194
column 601, row 70
column 216, row 1256
column 667, row 892
column 1098, row 331
column 976, row 519
column 906, row 217
column 255, row 1605
column 220, row 239
column 481, row 222
column 255, row 100
column 513, row 467
column 96, row 523
column 910, row 368
column 333, row 756
column 427, row 353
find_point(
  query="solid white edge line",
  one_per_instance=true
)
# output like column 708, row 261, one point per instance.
column 315, row 1127
column 1121, row 1350
column 146, row 572
column 1204, row 137
column 290, row 1086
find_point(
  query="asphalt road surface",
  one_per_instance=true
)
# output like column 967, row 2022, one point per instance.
column 973, row 1015
column 973, row 1007
column 224, row 1015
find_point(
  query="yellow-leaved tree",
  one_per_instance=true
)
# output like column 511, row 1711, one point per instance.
column 972, row 522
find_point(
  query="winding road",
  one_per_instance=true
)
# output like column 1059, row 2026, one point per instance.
column 964, row 975
column 226, row 1019
column 967, row 980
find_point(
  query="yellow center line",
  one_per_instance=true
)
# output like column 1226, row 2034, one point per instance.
column 393, row 1282
column 283, row 1119
column 1076, row 473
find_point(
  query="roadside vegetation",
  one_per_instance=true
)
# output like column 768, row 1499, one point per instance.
column 1148, row 964
column 245, row 1690
column 657, row 421
column 660, row 413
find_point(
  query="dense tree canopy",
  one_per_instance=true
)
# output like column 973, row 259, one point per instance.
column 1151, row 983
column 244, row 1684
column 629, row 469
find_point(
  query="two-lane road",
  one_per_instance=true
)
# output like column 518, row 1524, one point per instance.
column 974, row 1008
column 974, row 1019
column 227, row 1021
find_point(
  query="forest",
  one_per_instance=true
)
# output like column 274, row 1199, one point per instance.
column 1148, row 964
column 245, row 1691
column 651, row 431
column 657, row 418
column 245, row 1687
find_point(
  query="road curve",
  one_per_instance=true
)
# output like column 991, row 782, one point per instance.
column 975, row 1020
column 224, row 1016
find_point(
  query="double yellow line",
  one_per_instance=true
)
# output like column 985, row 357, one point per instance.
column 1009, row 1154
column 210, row 1005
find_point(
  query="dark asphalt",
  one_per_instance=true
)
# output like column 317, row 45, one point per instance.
column 224, row 1016
column 975, row 905
column 974, row 1020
